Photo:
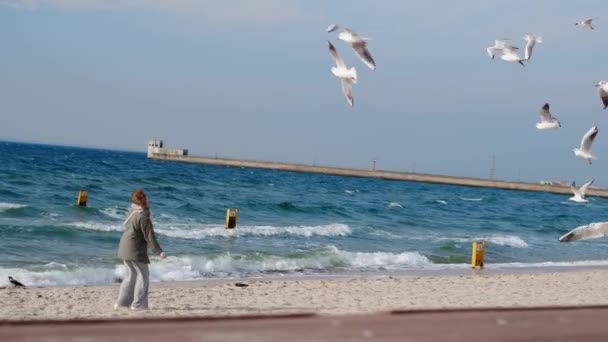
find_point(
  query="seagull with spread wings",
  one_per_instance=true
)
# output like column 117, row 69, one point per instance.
column 531, row 40
column 586, row 23
column 579, row 193
column 590, row 231
column 509, row 54
column 347, row 76
column 499, row 45
column 547, row 121
column 358, row 43
column 584, row 151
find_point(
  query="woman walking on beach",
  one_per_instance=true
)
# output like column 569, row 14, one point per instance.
column 133, row 250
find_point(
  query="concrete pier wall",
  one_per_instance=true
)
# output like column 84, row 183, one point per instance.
column 389, row 175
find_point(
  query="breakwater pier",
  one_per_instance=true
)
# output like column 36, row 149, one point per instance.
column 158, row 154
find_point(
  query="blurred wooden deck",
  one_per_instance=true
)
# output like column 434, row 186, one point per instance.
column 532, row 324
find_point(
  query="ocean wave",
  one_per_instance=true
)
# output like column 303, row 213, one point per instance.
column 581, row 263
column 385, row 234
column 497, row 239
column 193, row 231
column 471, row 199
column 179, row 268
column 318, row 261
column 506, row 240
column 328, row 260
column 10, row 193
column 288, row 206
column 98, row 226
column 58, row 276
column 188, row 232
column 115, row 212
column 11, row 206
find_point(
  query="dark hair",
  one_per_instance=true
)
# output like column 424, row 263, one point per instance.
column 139, row 197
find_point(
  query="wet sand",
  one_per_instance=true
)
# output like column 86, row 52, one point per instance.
column 343, row 295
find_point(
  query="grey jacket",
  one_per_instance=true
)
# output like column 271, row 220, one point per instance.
column 137, row 237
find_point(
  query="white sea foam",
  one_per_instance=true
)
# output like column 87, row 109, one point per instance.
column 441, row 201
column 55, row 265
column 384, row 260
column 10, row 206
column 506, row 240
column 471, row 199
column 176, row 268
column 196, row 267
column 497, row 239
column 385, row 234
column 55, row 276
column 98, row 226
column 115, row 212
column 582, row 263
column 190, row 231
column 393, row 205
column 196, row 231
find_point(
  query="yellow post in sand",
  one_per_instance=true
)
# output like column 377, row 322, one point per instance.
column 83, row 197
column 231, row 215
column 478, row 253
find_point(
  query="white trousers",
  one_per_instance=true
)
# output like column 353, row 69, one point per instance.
column 134, row 287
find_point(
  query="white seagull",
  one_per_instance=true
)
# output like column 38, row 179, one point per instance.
column 345, row 75
column 579, row 194
column 509, row 54
column 547, row 121
column 591, row 231
column 358, row 43
column 586, row 23
column 499, row 45
column 602, row 87
column 531, row 42
column 332, row 28
column 584, row 151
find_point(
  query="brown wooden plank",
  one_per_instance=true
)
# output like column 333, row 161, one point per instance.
column 538, row 324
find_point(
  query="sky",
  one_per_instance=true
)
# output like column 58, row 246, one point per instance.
column 251, row 79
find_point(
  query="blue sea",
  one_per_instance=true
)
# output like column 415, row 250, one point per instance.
column 289, row 224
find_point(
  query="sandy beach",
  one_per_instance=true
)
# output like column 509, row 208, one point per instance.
column 320, row 295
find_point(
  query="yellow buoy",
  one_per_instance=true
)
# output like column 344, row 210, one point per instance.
column 231, row 215
column 83, row 197
column 478, row 253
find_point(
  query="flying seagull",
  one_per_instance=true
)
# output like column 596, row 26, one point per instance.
column 531, row 42
column 332, row 28
column 602, row 87
column 579, row 194
column 509, row 54
column 584, row 151
column 586, row 232
column 15, row 282
column 358, row 43
column 499, row 45
column 547, row 121
column 586, row 23
column 345, row 75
